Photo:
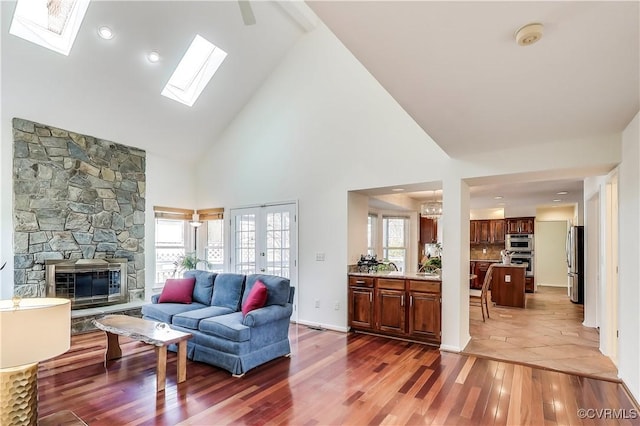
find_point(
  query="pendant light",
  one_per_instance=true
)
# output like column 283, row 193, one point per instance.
column 431, row 209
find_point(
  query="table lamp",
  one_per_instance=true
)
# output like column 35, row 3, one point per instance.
column 31, row 330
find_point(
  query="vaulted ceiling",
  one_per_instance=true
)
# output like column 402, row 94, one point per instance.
column 452, row 65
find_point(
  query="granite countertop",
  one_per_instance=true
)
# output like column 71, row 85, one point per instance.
column 399, row 275
column 510, row 265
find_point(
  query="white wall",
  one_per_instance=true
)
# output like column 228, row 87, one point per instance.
column 169, row 184
column 629, row 258
column 550, row 256
column 319, row 127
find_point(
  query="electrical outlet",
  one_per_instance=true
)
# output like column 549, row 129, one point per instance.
column 484, row 251
column 319, row 257
column 336, row 305
column 507, row 278
column 317, row 303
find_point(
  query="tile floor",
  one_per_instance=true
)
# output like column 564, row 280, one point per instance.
column 547, row 333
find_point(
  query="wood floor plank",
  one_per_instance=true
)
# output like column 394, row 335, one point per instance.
column 331, row 379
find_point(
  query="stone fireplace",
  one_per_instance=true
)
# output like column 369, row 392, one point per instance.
column 78, row 210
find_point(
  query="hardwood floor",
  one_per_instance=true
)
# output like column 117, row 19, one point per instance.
column 332, row 378
column 548, row 333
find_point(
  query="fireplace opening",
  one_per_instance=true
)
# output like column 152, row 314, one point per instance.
column 88, row 282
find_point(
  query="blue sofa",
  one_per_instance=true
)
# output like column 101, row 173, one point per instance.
column 221, row 335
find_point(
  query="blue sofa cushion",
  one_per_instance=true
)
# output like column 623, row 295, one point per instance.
column 204, row 285
column 191, row 319
column 164, row 312
column 277, row 288
column 228, row 326
column 227, row 290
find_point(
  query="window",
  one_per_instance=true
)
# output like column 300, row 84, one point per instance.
column 394, row 240
column 194, row 71
column 214, row 251
column 171, row 243
column 53, row 24
column 372, row 225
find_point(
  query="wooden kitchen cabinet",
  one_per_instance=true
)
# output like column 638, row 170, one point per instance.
column 390, row 310
column 529, row 286
column 425, row 310
column 498, row 231
column 396, row 307
column 361, row 302
column 428, row 231
column 487, row 231
column 520, row 225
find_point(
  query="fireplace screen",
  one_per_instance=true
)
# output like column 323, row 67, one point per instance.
column 88, row 282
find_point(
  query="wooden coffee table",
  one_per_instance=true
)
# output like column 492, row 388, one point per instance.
column 151, row 332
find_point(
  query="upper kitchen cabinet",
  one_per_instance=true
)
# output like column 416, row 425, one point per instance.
column 520, row 225
column 428, row 231
column 498, row 231
column 487, row 231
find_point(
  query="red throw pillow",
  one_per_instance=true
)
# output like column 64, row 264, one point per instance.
column 177, row 290
column 256, row 299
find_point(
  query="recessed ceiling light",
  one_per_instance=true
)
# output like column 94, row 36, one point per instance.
column 153, row 56
column 398, row 189
column 557, row 200
column 562, row 193
column 498, row 197
column 105, row 33
column 501, row 204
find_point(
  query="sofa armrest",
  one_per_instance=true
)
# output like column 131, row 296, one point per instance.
column 267, row 314
column 155, row 298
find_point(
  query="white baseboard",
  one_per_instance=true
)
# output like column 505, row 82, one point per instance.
column 325, row 326
column 552, row 285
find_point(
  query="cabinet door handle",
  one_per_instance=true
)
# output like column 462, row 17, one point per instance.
column 360, row 282
column 411, row 300
column 402, row 300
column 370, row 297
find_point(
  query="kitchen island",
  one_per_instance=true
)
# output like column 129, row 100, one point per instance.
column 508, row 285
column 396, row 304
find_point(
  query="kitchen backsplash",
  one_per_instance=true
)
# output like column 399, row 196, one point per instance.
column 492, row 252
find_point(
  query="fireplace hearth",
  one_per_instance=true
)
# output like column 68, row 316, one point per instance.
column 88, row 282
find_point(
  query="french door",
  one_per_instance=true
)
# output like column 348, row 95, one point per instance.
column 263, row 240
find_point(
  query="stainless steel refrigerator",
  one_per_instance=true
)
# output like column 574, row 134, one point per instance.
column 575, row 263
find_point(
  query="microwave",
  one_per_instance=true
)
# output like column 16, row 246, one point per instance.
column 519, row 242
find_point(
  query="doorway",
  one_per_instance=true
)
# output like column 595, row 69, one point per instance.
column 264, row 240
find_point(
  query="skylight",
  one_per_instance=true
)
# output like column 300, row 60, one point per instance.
column 53, row 24
column 194, row 71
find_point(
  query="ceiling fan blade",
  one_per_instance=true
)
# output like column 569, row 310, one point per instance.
column 246, row 12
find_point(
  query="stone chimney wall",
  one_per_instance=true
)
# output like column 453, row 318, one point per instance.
column 75, row 197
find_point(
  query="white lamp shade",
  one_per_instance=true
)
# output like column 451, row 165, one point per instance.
column 38, row 329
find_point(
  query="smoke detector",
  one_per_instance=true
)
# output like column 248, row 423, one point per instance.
column 529, row 34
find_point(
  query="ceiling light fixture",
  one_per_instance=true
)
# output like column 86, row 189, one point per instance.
column 498, row 197
column 105, row 33
column 557, row 200
column 562, row 193
column 431, row 209
column 529, row 34
column 153, row 56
